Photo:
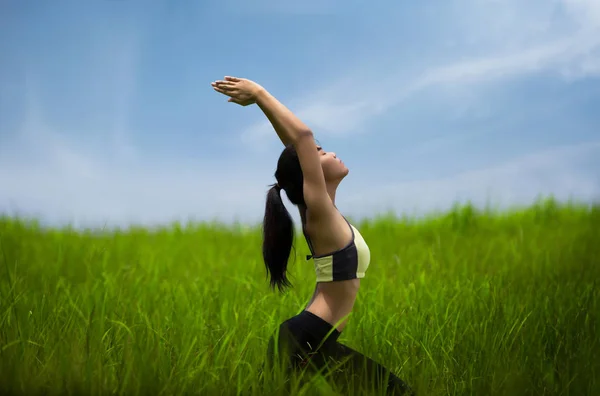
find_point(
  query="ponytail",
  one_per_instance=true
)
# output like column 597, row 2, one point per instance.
column 278, row 237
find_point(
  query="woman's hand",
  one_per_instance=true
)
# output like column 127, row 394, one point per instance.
column 240, row 90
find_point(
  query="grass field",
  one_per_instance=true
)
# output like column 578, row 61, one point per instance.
column 465, row 303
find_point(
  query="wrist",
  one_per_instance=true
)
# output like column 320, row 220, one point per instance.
column 260, row 95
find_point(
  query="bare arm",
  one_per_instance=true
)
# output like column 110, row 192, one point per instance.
column 290, row 131
column 288, row 127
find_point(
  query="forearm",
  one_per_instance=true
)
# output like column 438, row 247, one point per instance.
column 289, row 128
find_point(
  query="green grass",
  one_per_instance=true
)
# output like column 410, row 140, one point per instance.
column 465, row 303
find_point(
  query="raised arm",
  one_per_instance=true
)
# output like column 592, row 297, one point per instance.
column 290, row 131
column 286, row 124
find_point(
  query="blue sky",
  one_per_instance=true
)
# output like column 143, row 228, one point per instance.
column 107, row 115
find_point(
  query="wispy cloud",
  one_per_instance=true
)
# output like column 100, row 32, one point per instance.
column 585, row 12
column 105, row 135
column 346, row 105
column 566, row 172
column 57, row 181
column 48, row 174
column 125, row 63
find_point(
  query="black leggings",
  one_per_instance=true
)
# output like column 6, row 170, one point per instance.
column 307, row 341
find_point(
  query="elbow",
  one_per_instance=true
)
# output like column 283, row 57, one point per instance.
column 304, row 134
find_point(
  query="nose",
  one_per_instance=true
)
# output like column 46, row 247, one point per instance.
column 332, row 153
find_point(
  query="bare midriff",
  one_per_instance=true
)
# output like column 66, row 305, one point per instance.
column 334, row 301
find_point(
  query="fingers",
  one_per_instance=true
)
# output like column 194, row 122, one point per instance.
column 223, row 84
column 228, row 87
column 227, row 92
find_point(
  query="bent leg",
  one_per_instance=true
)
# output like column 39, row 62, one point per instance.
column 357, row 367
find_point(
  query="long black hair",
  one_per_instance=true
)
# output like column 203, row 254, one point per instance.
column 278, row 226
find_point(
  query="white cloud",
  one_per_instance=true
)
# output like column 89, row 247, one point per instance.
column 59, row 182
column 560, row 171
column 93, row 180
column 125, row 64
column 585, row 12
column 92, row 175
column 347, row 104
column 66, row 185
column 109, row 79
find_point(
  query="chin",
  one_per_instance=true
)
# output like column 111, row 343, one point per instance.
column 344, row 174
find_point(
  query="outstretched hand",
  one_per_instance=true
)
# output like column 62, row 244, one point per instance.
column 240, row 90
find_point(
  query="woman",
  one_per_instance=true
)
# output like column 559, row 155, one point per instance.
column 310, row 176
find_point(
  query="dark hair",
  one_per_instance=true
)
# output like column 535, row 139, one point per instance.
column 278, row 226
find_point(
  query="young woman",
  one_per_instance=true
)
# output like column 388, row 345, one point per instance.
column 310, row 176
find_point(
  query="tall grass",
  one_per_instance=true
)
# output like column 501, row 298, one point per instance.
column 465, row 303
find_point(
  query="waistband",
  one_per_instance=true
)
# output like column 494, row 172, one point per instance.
column 315, row 325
